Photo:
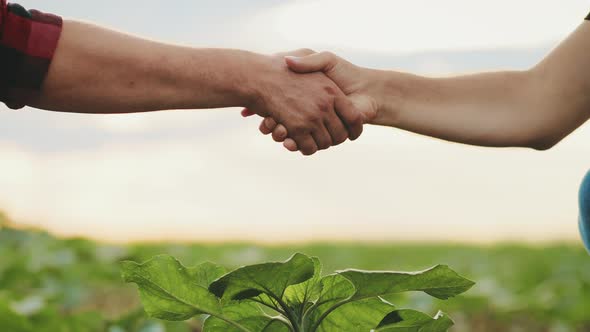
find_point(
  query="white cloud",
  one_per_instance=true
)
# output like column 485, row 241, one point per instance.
column 415, row 26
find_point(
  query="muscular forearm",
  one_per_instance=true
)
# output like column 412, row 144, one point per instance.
column 96, row 70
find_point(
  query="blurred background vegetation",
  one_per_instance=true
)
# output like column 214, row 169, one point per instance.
column 65, row 285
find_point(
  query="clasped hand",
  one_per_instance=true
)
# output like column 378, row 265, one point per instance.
column 322, row 103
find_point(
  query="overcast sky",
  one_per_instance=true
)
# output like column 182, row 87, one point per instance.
column 208, row 175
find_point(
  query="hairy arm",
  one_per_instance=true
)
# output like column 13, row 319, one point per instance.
column 534, row 108
column 96, row 70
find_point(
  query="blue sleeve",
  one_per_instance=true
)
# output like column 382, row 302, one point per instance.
column 585, row 211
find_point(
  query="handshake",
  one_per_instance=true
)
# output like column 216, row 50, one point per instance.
column 312, row 101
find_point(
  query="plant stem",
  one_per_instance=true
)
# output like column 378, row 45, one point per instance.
column 279, row 310
column 288, row 313
column 329, row 311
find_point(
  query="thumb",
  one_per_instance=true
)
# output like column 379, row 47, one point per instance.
column 324, row 61
column 247, row 113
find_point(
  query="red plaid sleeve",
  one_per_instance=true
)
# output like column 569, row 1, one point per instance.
column 28, row 39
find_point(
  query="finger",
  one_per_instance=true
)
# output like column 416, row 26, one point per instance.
column 263, row 129
column 324, row 61
column 322, row 138
column 290, row 145
column 306, row 144
column 298, row 53
column 267, row 126
column 280, row 133
column 337, row 130
column 270, row 123
column 350, row 117
column 247, row 113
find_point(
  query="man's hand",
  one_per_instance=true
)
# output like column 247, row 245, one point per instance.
column 352, row 80
column 307, row 108
column 118, row 73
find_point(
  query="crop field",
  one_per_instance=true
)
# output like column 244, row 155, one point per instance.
column 49, row 284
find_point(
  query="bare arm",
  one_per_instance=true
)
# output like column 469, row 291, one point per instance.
column 97, row 70
column 534, row 108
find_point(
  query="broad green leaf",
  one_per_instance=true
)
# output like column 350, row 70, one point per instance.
column 11, row 321
column 442, row 322
column 204, row 274
column 169, row 290
column 297, row 297
column 269, row 278
column 414, row 321
column 440, row 282
column 248, row 315
column 362, row 316
column 301, row 295
column 334, row 289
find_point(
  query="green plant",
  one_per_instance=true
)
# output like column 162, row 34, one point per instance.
column 290, row 296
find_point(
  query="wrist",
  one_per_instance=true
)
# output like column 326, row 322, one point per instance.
column 388, row 90
column 248, row 75
column 260, row 77
column 213, row 78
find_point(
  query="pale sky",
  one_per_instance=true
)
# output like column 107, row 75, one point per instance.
column 209, row 175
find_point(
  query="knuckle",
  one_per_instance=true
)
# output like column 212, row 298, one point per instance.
column 314, row 117
column 324, row 105
column 299, row 130
column 270, row 123
column 279, row 135
column 330, row 90
column 358, row 119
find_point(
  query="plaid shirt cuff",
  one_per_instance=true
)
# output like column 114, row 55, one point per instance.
column 28, row 40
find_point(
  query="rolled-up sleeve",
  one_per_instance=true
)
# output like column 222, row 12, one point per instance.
column 28, row 40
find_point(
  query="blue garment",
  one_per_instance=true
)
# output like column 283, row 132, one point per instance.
column 585, row 211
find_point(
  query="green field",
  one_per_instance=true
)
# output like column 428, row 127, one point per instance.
column 75, row 285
